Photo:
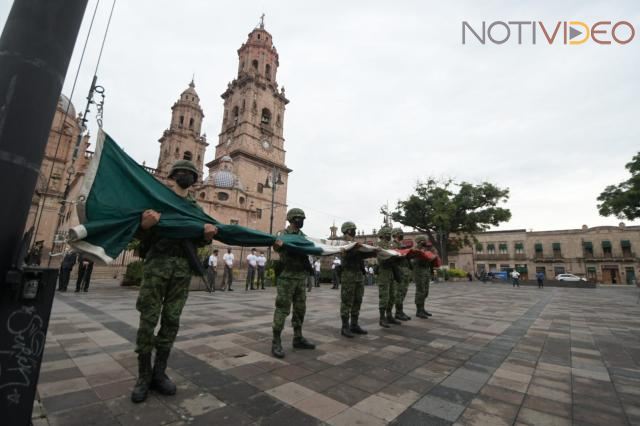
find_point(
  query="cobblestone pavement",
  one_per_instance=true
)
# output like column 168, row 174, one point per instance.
column 491, row 354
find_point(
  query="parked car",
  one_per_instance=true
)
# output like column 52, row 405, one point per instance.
column 569, row 277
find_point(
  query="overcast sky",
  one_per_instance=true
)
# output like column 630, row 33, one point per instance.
column 385, row 93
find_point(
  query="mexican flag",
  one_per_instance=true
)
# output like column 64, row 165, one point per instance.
column 116, row 190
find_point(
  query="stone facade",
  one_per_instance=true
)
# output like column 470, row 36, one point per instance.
column 603, row 254
column 65, row 160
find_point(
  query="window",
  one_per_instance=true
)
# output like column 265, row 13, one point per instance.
column 541, row 269
column 479, row 248
column 254, row 64
column 557, row 270
column 191, row 123
column 505, row 267
column 187, row 156
column 236, row 112
column 587, row 248
column 266, row 116
column 556, row 249
column 234, row 221
column 591, row 273
column 241, row 200
column 626, row 248
column 503, row 249
column 181, row 120
column 491, row 249
column 519, row 247
column 492, row 267
column 203, row 195
column 223, row 196
column 606, row 249
column 260, row 188
column 267, row 72
column 452, row 265
column 538, row 249
column 259, row 213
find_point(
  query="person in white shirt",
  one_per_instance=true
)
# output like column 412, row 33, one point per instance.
column 370, row 275
column 262, row 261
column 227, row 278
column 316, row 271
column 336, row 266
column 252, row 265
column 212, row 270
column 515, row 277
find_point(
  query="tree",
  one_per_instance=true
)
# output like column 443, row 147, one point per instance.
column 451, row 218
column 623, row 200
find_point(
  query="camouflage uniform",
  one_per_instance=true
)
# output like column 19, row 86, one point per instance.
column 386, row 283
column 403, row 272
column 164, row 290
column 422, row 277
column 291, row 288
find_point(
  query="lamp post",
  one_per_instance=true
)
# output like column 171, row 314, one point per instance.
column 276, row 179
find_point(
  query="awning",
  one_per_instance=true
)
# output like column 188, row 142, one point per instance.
column 625, row 244
column 606, row 244
column 587, row 245
column 556, row 246
column 538, row 247
column 502, row 246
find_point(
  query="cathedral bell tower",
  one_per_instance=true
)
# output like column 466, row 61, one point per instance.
column 182, row 140
column 252, row 127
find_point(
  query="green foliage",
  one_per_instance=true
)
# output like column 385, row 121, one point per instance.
column 133, row 274
column 623, row 199
column 458, row 273
column 451, row 213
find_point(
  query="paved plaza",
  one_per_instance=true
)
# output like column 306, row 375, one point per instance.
column 490, row 355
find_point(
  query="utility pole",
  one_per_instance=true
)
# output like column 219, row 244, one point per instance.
column 36, row 45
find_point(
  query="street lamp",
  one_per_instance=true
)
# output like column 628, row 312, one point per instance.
column 271, row 182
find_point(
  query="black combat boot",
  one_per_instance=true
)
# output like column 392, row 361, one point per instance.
column 355, row 328
column 159, row 380
column 400, row 315
column 300, row 342
column 141, row 388
column 391, row 319
column 345, row 331
column 428, row 313
column 383, row 320
column 276, row 346
column 420, row 313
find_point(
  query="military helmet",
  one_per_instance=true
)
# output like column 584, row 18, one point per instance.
column 397, row 232
column 420, row 239
column 385, row 231
column 295, row 212
column 184, row 165
column 346, row 226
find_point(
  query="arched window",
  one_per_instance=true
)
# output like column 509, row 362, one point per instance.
column 177, row 153
column 203, row 195
column 241, row 200
column 182, row 120
column 235, row 115
column 260, row 188
column 267, row 72
column 266, row 116
column 223, row 196
column 254, row 64
column 187, row 156
column 191, row 123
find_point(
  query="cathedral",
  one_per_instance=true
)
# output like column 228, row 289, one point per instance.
column 246, row 183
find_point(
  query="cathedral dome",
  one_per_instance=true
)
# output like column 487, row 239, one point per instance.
column 190, row 93
column 224, row 177
column 63, row 103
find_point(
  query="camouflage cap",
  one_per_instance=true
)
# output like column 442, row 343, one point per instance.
column 295, row 212
column 385, row 231
column 397, row 232
column 346, row 226
column 184, row 165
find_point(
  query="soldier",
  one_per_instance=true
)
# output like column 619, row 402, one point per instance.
column 386, row 284
column 352, row 282
column 422, row 266
column 291, row 288
column 403, row 273
column 168, row 265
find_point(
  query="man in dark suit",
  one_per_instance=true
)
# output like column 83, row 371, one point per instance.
column 66, row 267
column 84, row 274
